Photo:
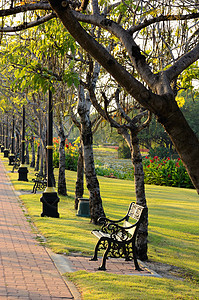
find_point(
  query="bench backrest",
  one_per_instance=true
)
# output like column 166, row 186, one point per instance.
column 135, row 212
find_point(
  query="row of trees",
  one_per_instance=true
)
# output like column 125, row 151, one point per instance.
column 147, row 50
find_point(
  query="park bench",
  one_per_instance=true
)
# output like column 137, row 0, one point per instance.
column 16, row 163
column 119, row 240
column 40, row 182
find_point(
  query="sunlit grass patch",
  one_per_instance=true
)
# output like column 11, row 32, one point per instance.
column 103, row 286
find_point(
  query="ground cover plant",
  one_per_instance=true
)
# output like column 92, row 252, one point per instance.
column 173, row 236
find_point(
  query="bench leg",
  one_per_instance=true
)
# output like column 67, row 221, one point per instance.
column 135, row 258
column 103, row 265
column 34, row 189
column 94, row 258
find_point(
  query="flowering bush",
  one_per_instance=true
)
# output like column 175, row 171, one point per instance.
column 166, row 172
column 71, row 154
column 157, row 171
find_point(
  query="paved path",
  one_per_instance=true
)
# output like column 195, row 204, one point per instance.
column 26, row 269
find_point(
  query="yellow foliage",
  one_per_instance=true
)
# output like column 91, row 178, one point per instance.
column 180, row 101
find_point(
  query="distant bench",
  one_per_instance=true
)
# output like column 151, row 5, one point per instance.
column 119, row 240
column 40, row 182
column 15, row 163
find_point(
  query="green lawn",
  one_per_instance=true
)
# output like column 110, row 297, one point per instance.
column 173, row 237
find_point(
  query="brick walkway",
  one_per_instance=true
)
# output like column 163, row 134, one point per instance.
column 114, row 265
column 26, row 269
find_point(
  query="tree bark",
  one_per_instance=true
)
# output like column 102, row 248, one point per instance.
column 184, row 140
column 141, row 241
column 27, row 157
column 38, row 158
column 41, row 170
column 17, row 148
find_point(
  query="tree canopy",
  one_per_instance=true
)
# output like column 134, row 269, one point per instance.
column 150, row 48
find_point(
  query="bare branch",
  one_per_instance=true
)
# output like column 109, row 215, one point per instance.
column 24, row 8
column 162, row 18
column 29, row 25
column 122, row 112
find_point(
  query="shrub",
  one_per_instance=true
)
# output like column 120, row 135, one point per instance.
column 71, row 155
column 161, row 152
column 166, row 172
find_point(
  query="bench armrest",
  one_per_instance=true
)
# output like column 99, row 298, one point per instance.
column 112, row 225
column 103, row 220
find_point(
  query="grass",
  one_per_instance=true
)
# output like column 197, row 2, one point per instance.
column 102, row 286
column 173, row 236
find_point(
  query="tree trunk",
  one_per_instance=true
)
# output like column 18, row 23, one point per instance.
column 27, row 157
column 17, row 149
column 141, row 241
column 41, row 170
column 62, row 163
column 38, row 158
column 32, row 164
column 184, row 140
column 95, row 201
column 79, row 190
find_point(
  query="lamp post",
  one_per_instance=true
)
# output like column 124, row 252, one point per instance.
column 49, row 197
column 6, row 150
column 23, row 171
column 12, row 155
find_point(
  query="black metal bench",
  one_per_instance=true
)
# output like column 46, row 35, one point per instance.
column 16, row 163
column 119, row 240
column 40, row 183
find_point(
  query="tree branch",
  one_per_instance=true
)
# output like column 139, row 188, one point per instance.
column 28, row 25
column 144, row 96
column 162, row 18
column 182, row 63
column 24, row 8
column 126, row 39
